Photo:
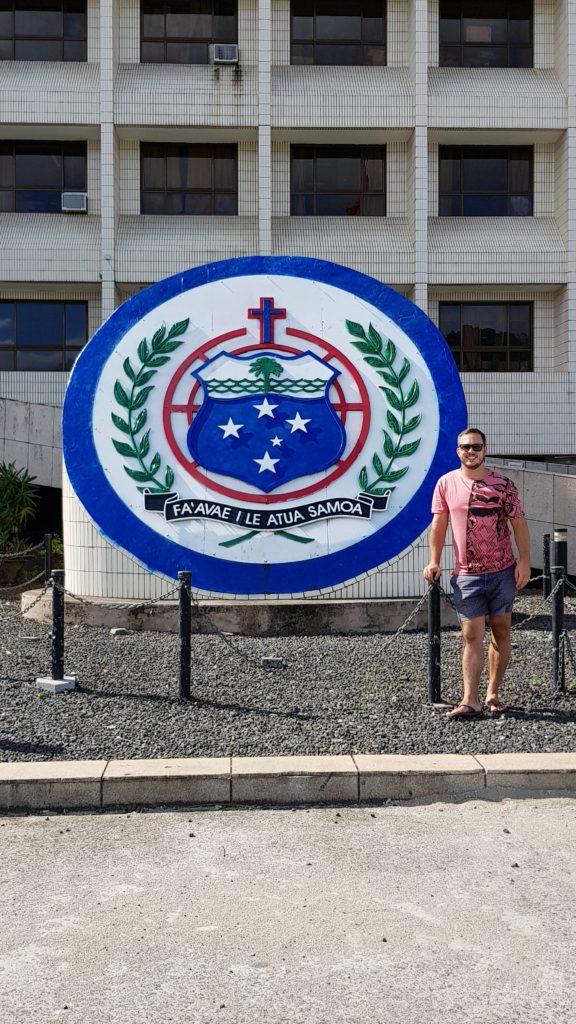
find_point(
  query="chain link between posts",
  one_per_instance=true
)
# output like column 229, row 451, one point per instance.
column 10, row 556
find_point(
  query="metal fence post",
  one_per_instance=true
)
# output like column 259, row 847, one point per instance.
column 47, row 556
column 184, row 623
column 558, row 574
column 546, row 587
column 58, row 624
column 434, row 644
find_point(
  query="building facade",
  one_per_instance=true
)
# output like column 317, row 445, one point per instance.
column 431, row 145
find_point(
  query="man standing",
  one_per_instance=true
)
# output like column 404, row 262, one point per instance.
column 479, row 502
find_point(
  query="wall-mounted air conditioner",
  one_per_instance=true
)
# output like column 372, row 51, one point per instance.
column 74, row 202
column 223, row 53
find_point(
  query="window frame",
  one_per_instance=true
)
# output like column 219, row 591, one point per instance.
column 315, row 150
column 460, row 352
column 171, row 149
column 463, row 45
column 14, row 348
column 484, row 152
column 166, row 41
column 65, row 40
column 14, row 148
column 338, row 43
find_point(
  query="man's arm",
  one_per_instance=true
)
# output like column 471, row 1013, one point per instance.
column 436, row 544
column 522, row 539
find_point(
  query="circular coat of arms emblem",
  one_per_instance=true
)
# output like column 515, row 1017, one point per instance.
column 274, row 425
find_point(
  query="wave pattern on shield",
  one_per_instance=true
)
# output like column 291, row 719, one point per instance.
column 266, row 419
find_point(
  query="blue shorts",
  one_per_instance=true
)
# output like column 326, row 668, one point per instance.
column 492, row 593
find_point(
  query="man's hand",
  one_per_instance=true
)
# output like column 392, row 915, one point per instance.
column 432, row 572
column 522, row 573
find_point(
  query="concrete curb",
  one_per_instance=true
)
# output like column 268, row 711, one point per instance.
column 277, row 781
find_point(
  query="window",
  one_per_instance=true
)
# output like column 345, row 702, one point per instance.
column 338, row 32
column 484, row 181
column 486, row 33
column 33, row 175
column 42, row 29
column 41, row 335
column 488, row 336
column 338, row 181
column 180, row 31
column 189, row 179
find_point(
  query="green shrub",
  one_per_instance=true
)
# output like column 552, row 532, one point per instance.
column 18, row 498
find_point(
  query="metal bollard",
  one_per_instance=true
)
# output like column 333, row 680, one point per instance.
column 184, row 624
column 58, row 624
column 546, row 584
column 434, row 644
column 47, row 556
column 558, row 574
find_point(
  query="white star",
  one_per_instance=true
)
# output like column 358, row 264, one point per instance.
column 265, row 409
column 267, row 463
column 276, row 441
column 298, row 423
column 230, row 429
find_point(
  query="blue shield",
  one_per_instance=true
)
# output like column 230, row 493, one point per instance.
column 266, row 419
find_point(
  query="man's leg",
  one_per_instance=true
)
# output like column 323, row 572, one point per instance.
column 472, row 659
column 498, row 652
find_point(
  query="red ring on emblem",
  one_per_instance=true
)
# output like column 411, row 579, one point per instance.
column 342, row 408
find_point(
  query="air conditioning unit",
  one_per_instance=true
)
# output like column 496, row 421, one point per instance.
column 74, row 202
column 223, row 53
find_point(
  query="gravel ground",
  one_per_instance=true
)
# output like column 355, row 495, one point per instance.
column 333, row 695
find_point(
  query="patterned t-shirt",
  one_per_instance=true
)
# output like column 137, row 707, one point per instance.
column 479, row 513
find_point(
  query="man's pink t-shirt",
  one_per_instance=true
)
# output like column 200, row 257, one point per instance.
column 479, row 513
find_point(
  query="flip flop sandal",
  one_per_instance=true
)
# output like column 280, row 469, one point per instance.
column 468, row 712
column 495, row 707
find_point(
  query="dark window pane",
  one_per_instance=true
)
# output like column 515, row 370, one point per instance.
column 38, row 201
column 486, row 174
column 225, row 174
column 224, row 29
column 345, row 28
column 450, row 206
column 342, row 172
column 302, row 206
column 37, row 49
column 36, row 19
column 520, row 206
column 6, row 22
column 197, row 204
column 75, row 25
column 450, row 57
column 6, row 323
column 303, row 174
column 337, row 205
column 520, row 361
column 194, row 172
column 485, row 56
column 374, row 56
column 6, row 169
column 488, row 340
column 75, row 173
column 337, row 54
column 39, row 360
column 70, row 357
column 39, row 324
column 74, row 50
column 6, row 360
column 152, row 21
column 450, row 30
column 75, row 320
column 152, row 203
column 153, row 172
column 226, row 204
column 302, row 54
column 449, row 320
column 519, row 173
column 520, row 57
column 374, row 175
column 484, row 206
column 303, row 28
column 374, row 206
column 450, row 174
column 484, row 30
column 373, row 30
column 519, row 30
column 334, row 32
column 6, row 49
column 519, row 324
column 492, row 34
column 38, row 169
column 152, row 53
column 6, row 201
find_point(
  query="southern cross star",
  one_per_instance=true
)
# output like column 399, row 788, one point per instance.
column 267, row 463
column 298, row 423
column 230, row 429
column 276, row 441
column 265, row 409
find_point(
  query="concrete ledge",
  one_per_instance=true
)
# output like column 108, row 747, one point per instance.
column 51, row 785
column 405, row 776
column 529, row 771
column 294, row 780
column 245, row 618
column 180, row 780
column 281, row 781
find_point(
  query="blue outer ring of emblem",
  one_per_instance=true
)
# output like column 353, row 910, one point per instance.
column 118, row 523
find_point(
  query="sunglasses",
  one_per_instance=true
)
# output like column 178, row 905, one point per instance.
column 471, row 447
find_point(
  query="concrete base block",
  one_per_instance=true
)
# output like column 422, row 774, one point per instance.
column 529, row 771
column 294, row 780
column 407, row 776
column 50, row 785
column 179, row 780
column 50, row 685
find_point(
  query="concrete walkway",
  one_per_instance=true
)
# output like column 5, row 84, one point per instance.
column 280, row 781
column 446, row 913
